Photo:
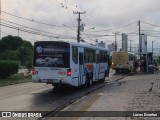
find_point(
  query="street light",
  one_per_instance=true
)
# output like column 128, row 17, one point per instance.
column 152, row 46
column 89, row 29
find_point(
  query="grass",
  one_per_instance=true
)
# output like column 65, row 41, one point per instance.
column 15, row 79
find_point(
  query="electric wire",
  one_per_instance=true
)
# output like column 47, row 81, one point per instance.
column 32, row 28
column 33, row 32
column 31, row 20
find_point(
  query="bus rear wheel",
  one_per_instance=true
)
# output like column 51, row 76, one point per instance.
column 103, row 79
column 117, row 71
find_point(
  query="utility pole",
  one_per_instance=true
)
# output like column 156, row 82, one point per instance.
column 140, row 45
column 152, row 46
column 18, row 31
column 79, row 20
column 116, row 33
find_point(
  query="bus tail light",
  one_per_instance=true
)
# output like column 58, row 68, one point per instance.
column 69, row 72
column 33, row 71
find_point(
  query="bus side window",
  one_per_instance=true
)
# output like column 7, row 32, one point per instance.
column 102, row 57
column 75, row 54
column 106, row 57
column 81, row 58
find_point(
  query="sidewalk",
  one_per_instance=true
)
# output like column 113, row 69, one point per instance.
column 138, row 93
column 132, row 93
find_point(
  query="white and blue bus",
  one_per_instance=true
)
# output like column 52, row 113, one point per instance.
column 68, row 63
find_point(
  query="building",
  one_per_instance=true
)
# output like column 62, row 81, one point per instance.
column 124, row 42
column 111, row 47
column 143, row 43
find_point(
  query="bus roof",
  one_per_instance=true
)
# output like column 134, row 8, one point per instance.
column 78, row 44
column 123, row 52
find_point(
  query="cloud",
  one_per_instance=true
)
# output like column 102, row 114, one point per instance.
column 101, row 14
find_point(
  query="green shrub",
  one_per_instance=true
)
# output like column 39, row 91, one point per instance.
column 8, row 68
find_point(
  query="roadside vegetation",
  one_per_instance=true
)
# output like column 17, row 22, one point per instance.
column 14, row 79
column 14, row 53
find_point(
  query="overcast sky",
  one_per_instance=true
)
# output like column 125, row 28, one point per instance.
column 106, row 16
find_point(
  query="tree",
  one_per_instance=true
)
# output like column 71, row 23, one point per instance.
column 8, row 55
column 8, row 68
column 14, row 48
column 24, row 54
column 27, row 44
column 10, row 43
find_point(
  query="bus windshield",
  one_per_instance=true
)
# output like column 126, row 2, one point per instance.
column 51, row 54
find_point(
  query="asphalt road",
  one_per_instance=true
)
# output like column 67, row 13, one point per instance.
column 37, row 96
column 23, row 96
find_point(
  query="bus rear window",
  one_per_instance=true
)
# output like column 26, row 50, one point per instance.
column 51, row 54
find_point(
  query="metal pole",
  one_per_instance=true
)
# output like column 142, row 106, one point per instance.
column 116, row 40
column 152, row 46
column 140, row 49
column 18, row 31
column 78, row 31
column 130, row 46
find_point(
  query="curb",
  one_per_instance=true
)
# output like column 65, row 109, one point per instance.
column 18, row 82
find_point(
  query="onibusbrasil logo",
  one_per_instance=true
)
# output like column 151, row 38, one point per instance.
column 21, row 114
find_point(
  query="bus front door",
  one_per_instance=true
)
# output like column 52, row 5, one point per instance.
column 81, row 61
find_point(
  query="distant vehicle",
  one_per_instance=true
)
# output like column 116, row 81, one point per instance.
column 68, row 63
column 123, row 61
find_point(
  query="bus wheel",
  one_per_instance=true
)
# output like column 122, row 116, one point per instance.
column 107, row 73
column 56, row 86
column 103, row 78
column 117, row 71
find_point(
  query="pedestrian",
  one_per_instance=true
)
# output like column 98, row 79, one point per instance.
column 155, row 64
column 136, row 66
column 141, row 65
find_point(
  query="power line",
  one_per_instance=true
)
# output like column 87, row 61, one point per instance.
column 68, row 12
column 31, row 20
column 150, row 24
column 60, row 4
column 33, row 32
column 153, row 36
column 88, row 36
column 150, row 30
column 32, row 28
column 116, row 28
column 133, row 36
column 63, row 6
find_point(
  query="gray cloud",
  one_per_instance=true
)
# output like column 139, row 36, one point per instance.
column 101, row 14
